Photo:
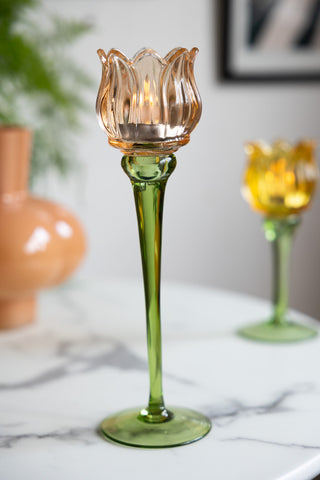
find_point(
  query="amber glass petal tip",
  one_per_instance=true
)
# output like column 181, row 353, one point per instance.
column 102, row 55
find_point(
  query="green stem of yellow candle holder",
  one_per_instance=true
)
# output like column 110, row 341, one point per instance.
column 149, row 176
column 280, row 233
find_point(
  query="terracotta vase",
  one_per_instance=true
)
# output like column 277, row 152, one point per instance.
column 41, row 243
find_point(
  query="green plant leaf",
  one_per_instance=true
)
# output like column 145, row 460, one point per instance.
column 37, row 79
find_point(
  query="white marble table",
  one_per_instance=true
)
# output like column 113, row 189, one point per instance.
column 86, row 357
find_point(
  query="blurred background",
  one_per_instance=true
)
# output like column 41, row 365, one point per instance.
column 210, row 235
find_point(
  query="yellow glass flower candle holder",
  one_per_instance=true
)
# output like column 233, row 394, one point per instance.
column 279, row 183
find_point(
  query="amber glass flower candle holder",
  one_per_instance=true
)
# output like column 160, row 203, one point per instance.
column 279, row 183
column 148, row 107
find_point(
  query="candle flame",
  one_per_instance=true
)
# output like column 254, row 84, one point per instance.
column 146, row 85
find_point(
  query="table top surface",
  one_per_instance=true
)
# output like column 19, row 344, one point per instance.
column 85, row 358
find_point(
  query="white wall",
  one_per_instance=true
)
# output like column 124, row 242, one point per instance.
column 210, row 235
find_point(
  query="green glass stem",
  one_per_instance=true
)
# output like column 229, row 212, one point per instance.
column 153, row 426
column 278, row 328
column 149, row 176
column 279, row 231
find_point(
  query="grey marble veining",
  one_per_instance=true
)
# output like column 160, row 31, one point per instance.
column 277, row 444
column 233, row 408
column 102, row 354
column 119, row 357
column 82, row 435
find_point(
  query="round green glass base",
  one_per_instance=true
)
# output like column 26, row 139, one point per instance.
column 129, row 428
column 273, row 332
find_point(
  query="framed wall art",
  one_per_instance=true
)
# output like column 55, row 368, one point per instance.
column 271, row 40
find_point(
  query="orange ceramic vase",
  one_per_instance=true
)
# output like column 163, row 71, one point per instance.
column 40, row 242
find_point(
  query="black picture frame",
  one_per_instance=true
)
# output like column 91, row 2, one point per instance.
column 294, row 65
